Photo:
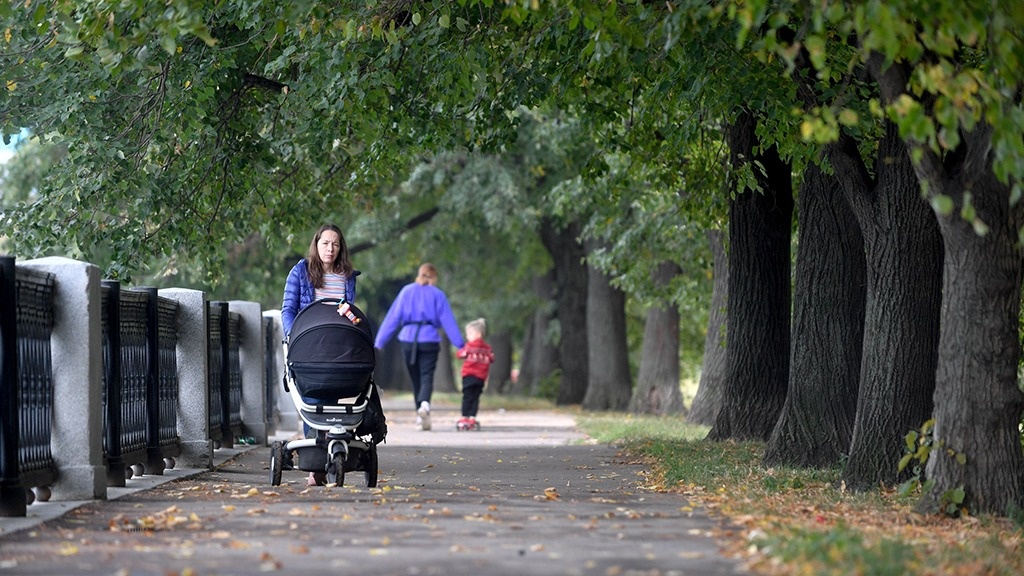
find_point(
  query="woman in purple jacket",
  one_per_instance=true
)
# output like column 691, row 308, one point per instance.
column 416, row 314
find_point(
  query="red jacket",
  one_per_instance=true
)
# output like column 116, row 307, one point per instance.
column 478, row 357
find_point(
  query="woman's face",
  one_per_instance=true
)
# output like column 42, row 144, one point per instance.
column 328, row 247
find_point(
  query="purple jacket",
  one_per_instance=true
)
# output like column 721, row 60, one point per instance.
column 419, row 307
column 299, row 293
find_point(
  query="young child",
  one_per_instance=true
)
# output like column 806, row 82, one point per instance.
column 478, row 357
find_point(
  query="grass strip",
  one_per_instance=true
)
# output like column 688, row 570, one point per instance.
column 797, row 521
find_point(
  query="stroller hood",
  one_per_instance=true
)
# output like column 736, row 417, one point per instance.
column 330, row 357
column 320, row 334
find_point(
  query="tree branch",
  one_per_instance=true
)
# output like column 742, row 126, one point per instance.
column 418, row 220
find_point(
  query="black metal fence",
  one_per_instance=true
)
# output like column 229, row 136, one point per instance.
column 140, row 381
column 34, row 302
column 225, row 377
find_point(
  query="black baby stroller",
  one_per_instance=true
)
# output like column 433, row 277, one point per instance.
column 329, row 361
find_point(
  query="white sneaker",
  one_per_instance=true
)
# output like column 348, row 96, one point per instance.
column 424, row 415
column 419, row 423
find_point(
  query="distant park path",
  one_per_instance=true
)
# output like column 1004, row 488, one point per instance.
column 526, row 495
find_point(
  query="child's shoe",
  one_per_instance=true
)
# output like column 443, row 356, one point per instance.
column 473, row 424
column 464, row 423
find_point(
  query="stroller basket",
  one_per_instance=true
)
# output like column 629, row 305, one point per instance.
column 331, row 383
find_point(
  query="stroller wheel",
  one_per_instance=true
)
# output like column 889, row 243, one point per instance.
column 336, row 469
column 276, row 463
column 371, row 466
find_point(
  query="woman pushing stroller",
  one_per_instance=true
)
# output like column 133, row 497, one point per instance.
column 326, row 273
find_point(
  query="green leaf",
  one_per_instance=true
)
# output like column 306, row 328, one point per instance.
column 907, row 488
column 168, row 43
column 417, row 18
column 942, row 204
column 444, row 21
column 905, row 461
column 911, row 439
column 980, row 228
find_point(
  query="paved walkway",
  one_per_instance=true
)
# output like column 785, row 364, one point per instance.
column 524, row 495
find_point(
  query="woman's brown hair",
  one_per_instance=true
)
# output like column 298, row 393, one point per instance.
column 342, row 265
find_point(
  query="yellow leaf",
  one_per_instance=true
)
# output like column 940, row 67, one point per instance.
column 11, row 85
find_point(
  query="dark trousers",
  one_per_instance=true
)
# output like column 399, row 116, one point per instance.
column 421, row 360
column 472, row 388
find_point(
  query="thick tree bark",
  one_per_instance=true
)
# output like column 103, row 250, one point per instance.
column 540, row 355
column 978, row 405
column 816, row 424
column 708, row 400
column 760, row 231
column 498, row 380
column 571, row 297
column 610, row 383
column 657, row 387
column 904, row 262
column 444, row 372
column 390, row 372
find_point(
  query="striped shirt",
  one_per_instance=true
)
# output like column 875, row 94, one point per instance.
column 334, row 286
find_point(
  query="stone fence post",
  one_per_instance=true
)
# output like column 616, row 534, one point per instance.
column 251, row 353
column 285, row 408
column 193, row 358
column 77, row 360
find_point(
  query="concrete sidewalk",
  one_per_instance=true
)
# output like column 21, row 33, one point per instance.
column 527, row 494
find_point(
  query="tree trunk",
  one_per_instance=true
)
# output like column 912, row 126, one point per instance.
column 498, row 381
column 816, row 424
column 540, row 355
column 390, row 372
column 978, row 404
column 657, row 383
column 571, row 299
column 708, row 400
column 903, row 252
column 760, row 231
column 444, row 373
column 610, row 383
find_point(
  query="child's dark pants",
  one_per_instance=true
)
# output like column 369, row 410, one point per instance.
column 472, row 387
